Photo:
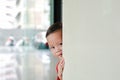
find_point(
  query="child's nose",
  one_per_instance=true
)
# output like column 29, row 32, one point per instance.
column 58, row 49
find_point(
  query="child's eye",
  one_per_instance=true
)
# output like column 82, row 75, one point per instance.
column 60, row 43
column 52, row 47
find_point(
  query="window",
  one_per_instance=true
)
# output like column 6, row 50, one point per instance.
column 24, row 54
column 24, row 19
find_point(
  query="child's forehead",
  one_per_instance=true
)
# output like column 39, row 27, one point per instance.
column 57, row 33
column 56, row 36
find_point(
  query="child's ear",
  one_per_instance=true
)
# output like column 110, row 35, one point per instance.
column 46, row 44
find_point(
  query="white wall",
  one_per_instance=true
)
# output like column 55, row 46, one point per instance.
column 91, row 39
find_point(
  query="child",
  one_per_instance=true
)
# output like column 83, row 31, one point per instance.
column 54, row 39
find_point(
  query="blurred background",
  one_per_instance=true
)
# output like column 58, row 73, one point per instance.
column 24, row 53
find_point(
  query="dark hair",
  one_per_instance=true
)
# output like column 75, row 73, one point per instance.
column 56, row 26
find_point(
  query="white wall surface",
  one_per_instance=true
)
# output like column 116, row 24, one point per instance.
column 91, row 39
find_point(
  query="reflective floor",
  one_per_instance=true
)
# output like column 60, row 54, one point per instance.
column 26, row 63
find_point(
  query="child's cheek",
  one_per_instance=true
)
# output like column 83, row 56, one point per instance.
column 54, row 54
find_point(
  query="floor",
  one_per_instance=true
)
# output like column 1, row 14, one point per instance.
column 26, row 63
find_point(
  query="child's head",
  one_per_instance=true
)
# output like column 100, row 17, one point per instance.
column 54, row 38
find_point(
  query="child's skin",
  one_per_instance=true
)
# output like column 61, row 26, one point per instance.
column 55, row 44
